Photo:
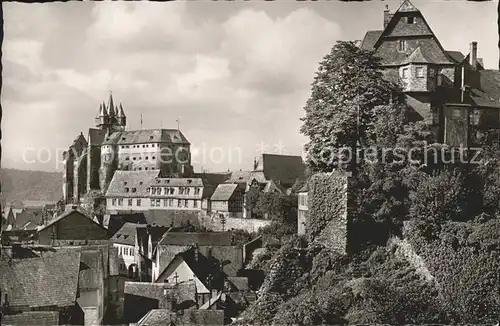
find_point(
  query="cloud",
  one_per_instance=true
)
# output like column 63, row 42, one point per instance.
column 234, row 80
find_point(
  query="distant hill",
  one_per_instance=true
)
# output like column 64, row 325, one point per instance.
column 30, row 185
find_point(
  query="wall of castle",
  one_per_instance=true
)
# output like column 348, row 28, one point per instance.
column 328, row 219
column 93, row 167
column 108, row 166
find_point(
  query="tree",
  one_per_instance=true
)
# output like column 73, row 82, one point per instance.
column 347, row 90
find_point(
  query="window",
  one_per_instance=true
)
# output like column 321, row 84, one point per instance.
column 138, row 202
column 153, row 157
column 187, row 191
column 405, row 73
column 152, row 145
column 146, row 158
column 113, row 201
column 127, row 158
column 196, row 191
column 119, row 250
column 172, row 190
column 165, row 202
column 181, row 191
column 133, row 158
column 195, row 203
column 120, row 202
column 171, row 202
column 157, row 203
column 410, row 20
column 134, row 190
column 132, row 250
column 130, row 202
column 420, row 72
column 402, row 45
column 152, row 202
column 456, row 113
column 179, row 203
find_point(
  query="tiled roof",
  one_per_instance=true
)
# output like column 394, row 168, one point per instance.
column 430, row 49
column 224, row 192
column 167, row 253
column 488, row 92
column 456, row 56
column 370, row 39
column 231, row 255
column 50, row 280
column 115, row 221
column 126, row 234
column 25, row 217
column 66, row 214
column 32, row 318
column 241, row 283
column 124, row 183
column 164, row 317
column 177, row 182
column 172, row 136
column 185, row 291
column 239, row 177
column 282, row 169
column 173, row 218
column 213, row 179
column 416, row 57
column 200, row 238
column 96, row 136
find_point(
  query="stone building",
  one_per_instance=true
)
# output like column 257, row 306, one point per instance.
column 450, row 91
column 89, row 164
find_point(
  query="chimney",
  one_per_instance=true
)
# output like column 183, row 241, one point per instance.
column 387, row 16
column 473, row 54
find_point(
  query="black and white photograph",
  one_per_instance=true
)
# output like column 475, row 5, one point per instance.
column 244, row 163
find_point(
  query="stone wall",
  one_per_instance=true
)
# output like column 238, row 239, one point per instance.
column 328, row 210
column 213, row 222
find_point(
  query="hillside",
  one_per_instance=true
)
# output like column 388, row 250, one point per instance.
column 30, row 185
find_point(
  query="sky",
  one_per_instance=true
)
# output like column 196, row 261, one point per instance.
column 235, row 74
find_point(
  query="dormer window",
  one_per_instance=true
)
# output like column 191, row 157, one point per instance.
column 420, row 72
column 126, row 189
column 410, row 20
column 402, row 45
column 134, row 189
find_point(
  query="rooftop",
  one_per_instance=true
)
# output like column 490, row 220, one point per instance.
column 200, row 238
column 48, row 280
column 224, row 191
column 171, row 136
column 131, row 183
column 126, row 234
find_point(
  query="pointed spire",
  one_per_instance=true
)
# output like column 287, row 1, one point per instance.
column 102, row 111
column 111, row 106
column 104, row 107
column 120, row 111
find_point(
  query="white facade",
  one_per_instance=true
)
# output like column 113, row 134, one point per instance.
column 125, row 253
column 124, row 203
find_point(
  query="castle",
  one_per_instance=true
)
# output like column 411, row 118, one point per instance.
column 89, row 164
column 450, row 91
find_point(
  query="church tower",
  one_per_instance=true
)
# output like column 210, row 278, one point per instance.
column 102, row 120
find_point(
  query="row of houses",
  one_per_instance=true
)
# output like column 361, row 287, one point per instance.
column 74, row 271
column 218, row 193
